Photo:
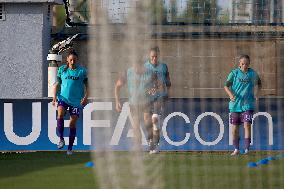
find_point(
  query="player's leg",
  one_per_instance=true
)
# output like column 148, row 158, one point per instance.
column 247, row 119
column 74, row 115
column 136, row 115
column 137, row 133
column 236, row 139
column 156, row 132
column 156, row 128
column 61, row 108
column 156, row 120
column 149, row 128
column 247, row 127
column 235, row 122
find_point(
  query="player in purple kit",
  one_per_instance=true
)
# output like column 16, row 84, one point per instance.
column 243, row 93
column 71, row 92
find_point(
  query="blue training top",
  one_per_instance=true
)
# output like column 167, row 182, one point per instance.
column 242, row 86
column 161, row 81
column 72, row 85
column 136, row 84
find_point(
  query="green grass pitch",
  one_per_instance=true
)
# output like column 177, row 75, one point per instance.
column 55, row 170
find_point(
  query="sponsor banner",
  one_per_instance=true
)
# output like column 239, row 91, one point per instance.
column 188, row 124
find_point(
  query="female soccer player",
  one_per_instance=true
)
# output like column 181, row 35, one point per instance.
column 158, row 93
column 240, row 87
column 136, row 79
column 71, row 92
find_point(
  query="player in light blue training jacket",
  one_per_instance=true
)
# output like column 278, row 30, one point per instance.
column 243, row 93
column 136, row 79
column 71, row 92
column 157, row 93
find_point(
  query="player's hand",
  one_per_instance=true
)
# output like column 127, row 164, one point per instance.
column 53, row 102
column 256, row 101
column 84, row 101
column 232, row 98
column 256, row 98
column 152, row 91
column 118, row 106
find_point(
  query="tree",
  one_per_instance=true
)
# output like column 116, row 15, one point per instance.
column 201, row 11
column 157, row 12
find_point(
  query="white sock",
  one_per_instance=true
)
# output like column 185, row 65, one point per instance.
column 156, row 126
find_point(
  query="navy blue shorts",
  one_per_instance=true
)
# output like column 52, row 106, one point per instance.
column 72, row 110
column 158, row 106
column 237, row 118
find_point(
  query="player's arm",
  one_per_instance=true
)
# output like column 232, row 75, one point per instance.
column 228, row 85
column 168, row 79
column 118, row 85
column 229, row 93
column 150, row 84
column 55, row 90
column 84, row 100
column 258, row 88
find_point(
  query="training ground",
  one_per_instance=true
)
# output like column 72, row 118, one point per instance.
column 56, row 170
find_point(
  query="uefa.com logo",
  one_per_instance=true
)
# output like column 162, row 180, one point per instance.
column 89, row 124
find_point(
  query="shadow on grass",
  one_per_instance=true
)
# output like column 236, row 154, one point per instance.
column 16, row 164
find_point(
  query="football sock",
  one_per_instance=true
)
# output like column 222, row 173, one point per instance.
column 149, row 131
column 156, row 137
column 156, row 129
column 72, row 136
column 236, row 144
column 60, row 127
column 247, row 143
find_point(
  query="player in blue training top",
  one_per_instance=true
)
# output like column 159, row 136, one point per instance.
column 71, row 92
column 241, row 88
column 158, row 93
column 136, row 79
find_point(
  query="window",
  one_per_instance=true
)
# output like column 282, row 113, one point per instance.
column 2, row 12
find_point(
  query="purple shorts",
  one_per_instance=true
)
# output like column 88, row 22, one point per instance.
column 72, row 110
column 237, row 118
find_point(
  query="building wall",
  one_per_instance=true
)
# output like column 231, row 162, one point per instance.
column 280, row 67
column 24, row 43
column 198, row 68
